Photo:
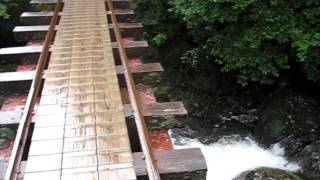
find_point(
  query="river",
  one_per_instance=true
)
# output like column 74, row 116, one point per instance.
column 232, row 155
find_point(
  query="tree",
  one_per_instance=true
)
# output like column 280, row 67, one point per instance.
column 256, row 39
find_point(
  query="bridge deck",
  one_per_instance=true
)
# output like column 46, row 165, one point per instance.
column 80, row 130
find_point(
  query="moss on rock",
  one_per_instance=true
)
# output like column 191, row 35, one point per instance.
column 265, row 173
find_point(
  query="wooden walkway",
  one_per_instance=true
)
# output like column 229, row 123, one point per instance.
column 80, row 130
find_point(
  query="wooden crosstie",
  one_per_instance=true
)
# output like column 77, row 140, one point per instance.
column 80, row 129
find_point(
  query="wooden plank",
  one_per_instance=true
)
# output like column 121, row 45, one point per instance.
column 164, row 109
column 38, row 28
column 143, row 68
column 146, row 68
column 38, row 32
column 50, row 13
column 10, row 117
column 177, row 161
column 44, row 28
column 37, row 49
column 20, row 50
column 37, row 14
column 132, row 45
column 160, row 109
column 43, row 1
column 29, row 75
column 43, row 18
column 17, row 76
column 172, row 108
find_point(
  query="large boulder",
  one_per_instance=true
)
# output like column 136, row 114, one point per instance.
column 265, row 173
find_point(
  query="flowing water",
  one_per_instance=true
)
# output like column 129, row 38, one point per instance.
column 232, row 155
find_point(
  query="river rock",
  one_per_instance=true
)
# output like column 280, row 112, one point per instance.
column 265, row 173
column 292, row 119
column 309, row 160
column 285, row 114
column 293, row 145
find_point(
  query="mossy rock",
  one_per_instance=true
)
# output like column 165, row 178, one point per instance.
column 265, row 173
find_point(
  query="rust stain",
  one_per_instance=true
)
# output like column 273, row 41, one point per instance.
column 26, row 67
column 127, row 40
column 146, row 94
column 35, row 43
column 160, row 140
column 15, row 102
column 135, row 62
column 6, row 152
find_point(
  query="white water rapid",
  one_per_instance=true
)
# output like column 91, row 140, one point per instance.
column 232, row 155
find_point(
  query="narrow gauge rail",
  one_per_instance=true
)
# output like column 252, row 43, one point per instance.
column 80, row 74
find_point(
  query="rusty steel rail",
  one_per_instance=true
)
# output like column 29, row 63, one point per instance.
column 151, row 162
column 23, row 129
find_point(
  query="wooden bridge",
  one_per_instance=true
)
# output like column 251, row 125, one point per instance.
column 85, row 117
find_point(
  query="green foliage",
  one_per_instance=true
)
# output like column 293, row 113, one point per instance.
column 6, row 133
column 254, row 40
column 159, row 39
column 5, row 5
column 3, row 11
column 10, row 11
column 191, row 57
column 166, row 122
column 44, row 7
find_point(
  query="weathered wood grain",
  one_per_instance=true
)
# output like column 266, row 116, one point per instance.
column 30, row 54
column 43, row 18
column 10, row 117
column 118, row 4
column 38, row 32
column 160, row 109
column 17, row 76
column 177, row 161
column 100, row 147
column 37, row 49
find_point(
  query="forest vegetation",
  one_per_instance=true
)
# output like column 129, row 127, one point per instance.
column 251, row 40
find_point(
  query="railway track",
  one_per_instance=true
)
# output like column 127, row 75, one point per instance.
column 84, row 98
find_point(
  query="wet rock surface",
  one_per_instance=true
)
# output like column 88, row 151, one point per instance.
column 210, row 119
column 309, row 159
column 286, row 117
column 287, row 113
column 267, row 174
column 293, row 120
